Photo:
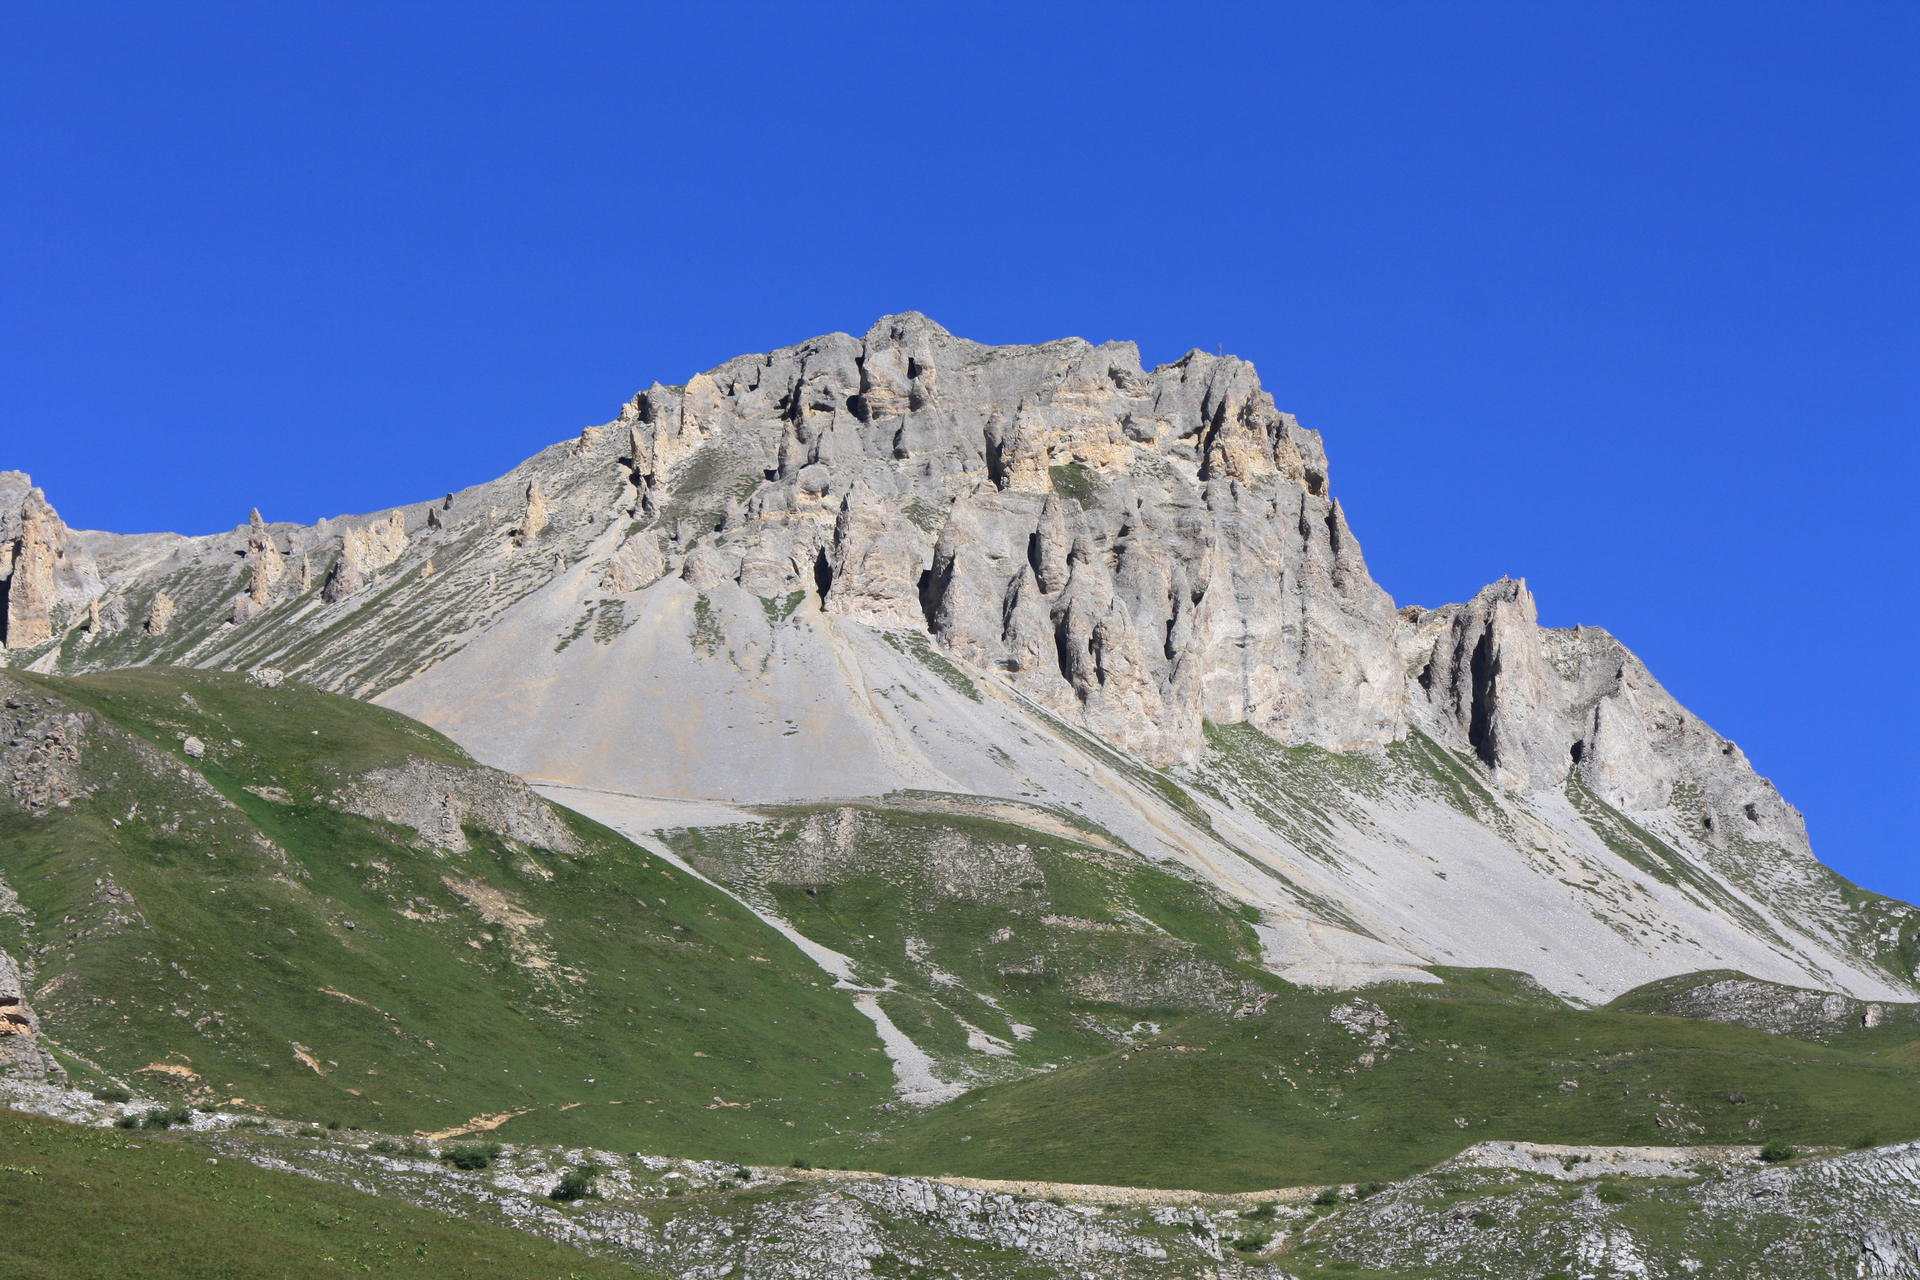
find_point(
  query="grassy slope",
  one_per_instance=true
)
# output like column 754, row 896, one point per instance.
column 155, row 1207
column 1282, row 1097
column 983, row 923
column 663, row 995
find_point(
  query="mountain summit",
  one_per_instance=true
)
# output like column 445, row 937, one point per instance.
column 1042, row 582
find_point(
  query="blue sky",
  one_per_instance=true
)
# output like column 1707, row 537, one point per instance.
column 1617, row 297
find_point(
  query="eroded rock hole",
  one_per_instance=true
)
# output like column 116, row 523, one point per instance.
column 822, row 575
column 1063, row 647
column 1485, row 668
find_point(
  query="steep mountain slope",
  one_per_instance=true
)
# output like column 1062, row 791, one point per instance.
column 910, row 562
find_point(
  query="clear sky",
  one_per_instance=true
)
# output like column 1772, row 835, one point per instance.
column 1618, row 297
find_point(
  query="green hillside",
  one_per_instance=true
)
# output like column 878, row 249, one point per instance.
column 220, row 928
column 1292, row 1096
column 1053, row 939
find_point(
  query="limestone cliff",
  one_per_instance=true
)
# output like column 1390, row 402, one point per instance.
column 33, row 542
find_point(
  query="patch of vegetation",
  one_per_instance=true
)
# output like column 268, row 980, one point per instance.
column 167, row 1117
column 1509, row 985
column 578, row 629
column 709, row 637
column 609, row 620
column 1456, row 780
column 577, row 1183
column 916, row 646
column 470, row 1155
column 704, row 483
column 779, row 608
column 1077, row 481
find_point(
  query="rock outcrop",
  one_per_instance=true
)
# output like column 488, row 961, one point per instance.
column 40, row 746
column 266, row 566
column 1143, row 551
column 1768, row 1006
column 1511, row 1211
column 440, row 801
column 21, row 1053
column 33, row 541
column 534, row 521
column 364, row 551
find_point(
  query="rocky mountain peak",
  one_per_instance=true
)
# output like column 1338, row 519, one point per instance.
column 907, row 560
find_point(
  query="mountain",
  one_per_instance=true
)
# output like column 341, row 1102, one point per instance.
column 861, row 567
column 989, row 766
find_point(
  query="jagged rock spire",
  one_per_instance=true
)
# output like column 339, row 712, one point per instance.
column 29, row 563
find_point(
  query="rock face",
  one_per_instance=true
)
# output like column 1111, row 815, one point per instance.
column 266, row 566
column 906, row 560
column 439, row 801
column 39, row 751
column 364, row 551
column 21, row 1054
column 32, row 543
column 1535, row 705
column 534, row 522
column 1136, row 551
